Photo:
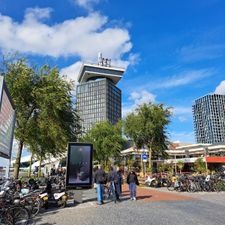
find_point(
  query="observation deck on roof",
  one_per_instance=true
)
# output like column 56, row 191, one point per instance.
column 90, row 72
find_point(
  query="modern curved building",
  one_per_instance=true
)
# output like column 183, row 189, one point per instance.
column 97, row 97
column 209, row 119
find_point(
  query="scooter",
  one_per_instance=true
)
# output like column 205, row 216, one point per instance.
column 151, row 181
column 59, row 198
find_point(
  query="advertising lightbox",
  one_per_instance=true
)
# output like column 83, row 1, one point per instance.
column 7, row 120
column 79, row 165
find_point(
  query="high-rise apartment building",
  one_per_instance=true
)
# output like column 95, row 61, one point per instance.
column 97, row 97
column 209, row 119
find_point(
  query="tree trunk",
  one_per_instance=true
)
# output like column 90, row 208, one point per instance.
column 31, row 160
column 150, row 160
column 39, row 169
column 150, row 157
column 18, row 158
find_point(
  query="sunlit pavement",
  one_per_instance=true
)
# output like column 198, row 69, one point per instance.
column 156, row 207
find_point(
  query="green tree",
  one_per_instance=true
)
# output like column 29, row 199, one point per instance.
column 180, row 165
column 55, row 121
column 161, row 167
column 45, row 116
column 147, row 128
column 107, row 141
column 200, row 166
column 21, row 82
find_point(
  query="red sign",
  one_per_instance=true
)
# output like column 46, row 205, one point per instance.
column 215, row 159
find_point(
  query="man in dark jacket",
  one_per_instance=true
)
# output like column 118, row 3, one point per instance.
column 100, row 180
column 114, row 180
column 132, row 180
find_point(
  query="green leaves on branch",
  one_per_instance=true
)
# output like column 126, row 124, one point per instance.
column 45, row 117
column 200, row 166
column 55, row 116
column 147, row 128
column 106, row 139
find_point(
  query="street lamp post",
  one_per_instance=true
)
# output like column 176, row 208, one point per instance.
column 206, row 164
column 175, row 164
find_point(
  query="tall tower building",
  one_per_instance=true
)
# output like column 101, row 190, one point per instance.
column 97, row 97
column 209, row 119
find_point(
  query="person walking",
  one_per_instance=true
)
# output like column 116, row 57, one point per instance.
column 114, row 182
column 120, row 174
column 132, row 180
column 100, row 179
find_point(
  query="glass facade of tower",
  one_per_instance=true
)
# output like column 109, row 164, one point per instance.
column 209, row 119
column 98, row 100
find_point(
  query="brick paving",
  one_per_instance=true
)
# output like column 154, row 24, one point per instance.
column 150, row 195
column 154, row 207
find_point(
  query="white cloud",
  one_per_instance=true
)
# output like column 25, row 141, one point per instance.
column 142, row 97
column 185, row 78
column 137, row 98
column 180, row 110
column 182, row 137
column 182, row 113
column 86, row 4
column 204, row 52
column 133, row 58
column 182, row 118
column 33, row 14
column 72, row 71
column 181, row 79
column 83, row 37
column 220, row 89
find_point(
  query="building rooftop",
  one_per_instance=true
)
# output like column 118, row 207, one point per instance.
column 90, row 72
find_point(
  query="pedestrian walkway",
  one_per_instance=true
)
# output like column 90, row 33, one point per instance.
column 150, row 195
column 153, row 207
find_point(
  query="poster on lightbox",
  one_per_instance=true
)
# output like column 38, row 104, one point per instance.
column 7, row 120
column 79, row 165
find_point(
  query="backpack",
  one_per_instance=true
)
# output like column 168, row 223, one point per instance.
column 116, row 178
column 132, row 178
column 102, row 179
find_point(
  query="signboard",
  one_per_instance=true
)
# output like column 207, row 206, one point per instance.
column 79, row 165
column 185, row 160
column 7, row 120
column 144, row 157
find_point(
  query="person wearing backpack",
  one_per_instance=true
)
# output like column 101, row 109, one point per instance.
column 132, row 180
column 114, row 180
column 100, row 179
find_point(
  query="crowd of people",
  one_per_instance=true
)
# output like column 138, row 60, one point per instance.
column 115, row 180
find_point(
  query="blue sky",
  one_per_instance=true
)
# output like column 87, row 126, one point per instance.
column 174, row 50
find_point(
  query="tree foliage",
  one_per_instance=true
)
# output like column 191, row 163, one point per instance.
column 180, row 165
column 21, row 82
column 45, row 117
column 146, row 126
column 200, row 166
column 107, row 141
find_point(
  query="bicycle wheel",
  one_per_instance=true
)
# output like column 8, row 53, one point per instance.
column 170, row 186
column 36, row 205
column 19, row 214
column 106, row 192
column 219, row 186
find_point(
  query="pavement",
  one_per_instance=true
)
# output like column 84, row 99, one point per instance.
column 153, row 207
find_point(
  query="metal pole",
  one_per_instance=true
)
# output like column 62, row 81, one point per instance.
column 206, row 164
column 144, row 168
column 175, row 164
column 9, row 168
